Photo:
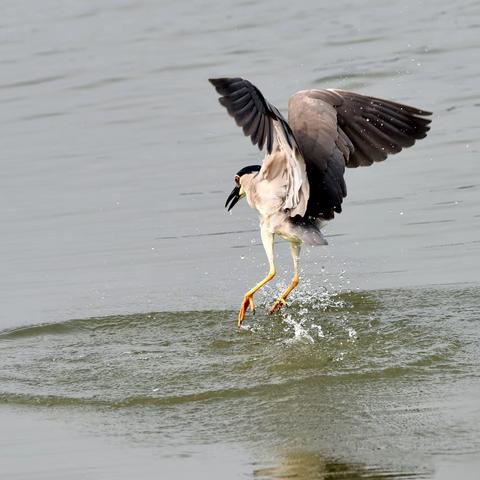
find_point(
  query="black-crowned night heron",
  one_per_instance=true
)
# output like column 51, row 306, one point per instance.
column 300, row 184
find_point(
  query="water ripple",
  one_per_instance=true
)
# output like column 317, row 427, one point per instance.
column 166, row 358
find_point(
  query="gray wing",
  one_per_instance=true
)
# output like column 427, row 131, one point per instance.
column 337, row 129
column 283, row 168
column 246, row 104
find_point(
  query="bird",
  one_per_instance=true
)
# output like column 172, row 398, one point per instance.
column 300, row 185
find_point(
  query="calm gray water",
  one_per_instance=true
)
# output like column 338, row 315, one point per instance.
column 122, row 273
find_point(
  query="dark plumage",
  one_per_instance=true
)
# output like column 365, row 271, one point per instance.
column 337, row 129
column 246, row 104
column 332, row 129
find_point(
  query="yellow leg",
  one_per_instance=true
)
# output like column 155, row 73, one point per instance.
column 267, row 239
column 283, row 297
column 295, row 251
column 248, row 297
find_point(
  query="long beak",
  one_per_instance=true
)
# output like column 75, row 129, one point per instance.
column 234, row 197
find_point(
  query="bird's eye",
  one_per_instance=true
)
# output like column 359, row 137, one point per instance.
column 237, row 180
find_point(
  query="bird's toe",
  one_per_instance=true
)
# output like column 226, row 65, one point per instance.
column 278, row 305
column 246, row 304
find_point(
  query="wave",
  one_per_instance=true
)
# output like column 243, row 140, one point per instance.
column 170, row 358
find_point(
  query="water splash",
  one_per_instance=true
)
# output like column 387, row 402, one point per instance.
column 304, row 320
column 300, row 330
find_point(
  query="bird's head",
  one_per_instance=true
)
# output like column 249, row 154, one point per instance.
column 238, row 192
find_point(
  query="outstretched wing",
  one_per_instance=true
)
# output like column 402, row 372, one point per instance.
column 246, row 104
column 283, row 167
column 337, row 129
column 375, row 127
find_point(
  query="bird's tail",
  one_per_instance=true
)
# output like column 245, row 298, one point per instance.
column 307, row 232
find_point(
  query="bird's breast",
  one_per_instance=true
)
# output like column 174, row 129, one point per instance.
column 279, row 224
column 266, row 197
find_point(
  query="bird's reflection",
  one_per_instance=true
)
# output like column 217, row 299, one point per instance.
column 306, row 465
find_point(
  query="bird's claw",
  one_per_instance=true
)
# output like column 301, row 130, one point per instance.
column 278, row 305
column 247, row 303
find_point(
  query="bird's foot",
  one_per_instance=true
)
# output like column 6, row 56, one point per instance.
column 247, row 302
column 278, row 305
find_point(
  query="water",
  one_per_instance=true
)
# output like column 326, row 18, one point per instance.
column 117, row 160
column 369, row 383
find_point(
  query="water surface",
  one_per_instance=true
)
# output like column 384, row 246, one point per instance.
column 363, row 384
column 122, row 273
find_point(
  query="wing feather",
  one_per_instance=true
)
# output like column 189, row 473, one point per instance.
column 337, row 129
column 251, row 111
column 284, row 167
column 240, row 101
column 261, row 133
column 383, row 127
column 269, row 135
column 253, row 129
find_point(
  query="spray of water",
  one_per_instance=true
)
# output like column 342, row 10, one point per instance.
column 304, row 320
